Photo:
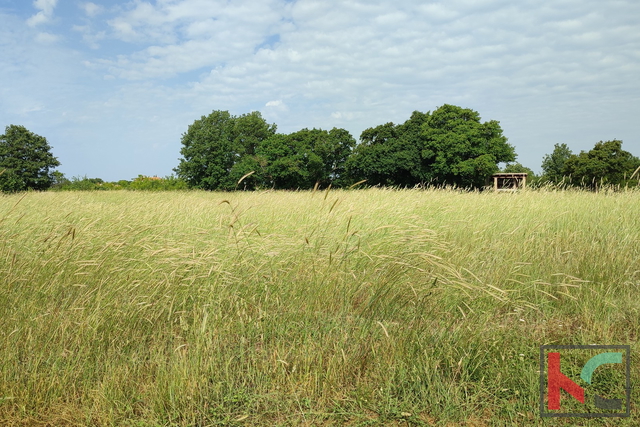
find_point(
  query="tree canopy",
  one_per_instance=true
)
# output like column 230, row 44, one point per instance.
column 553, row 164
column 222, row 152
column 220, row 148
column 26, row 161
column 449, row 146
column 389, row 154
column 606, row 163
column 304, row 158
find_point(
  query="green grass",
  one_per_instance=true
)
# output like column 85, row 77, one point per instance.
column 372, row 307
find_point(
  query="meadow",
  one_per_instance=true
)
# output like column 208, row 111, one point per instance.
column 361, row 307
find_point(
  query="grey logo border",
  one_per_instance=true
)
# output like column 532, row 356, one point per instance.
column 543, row 413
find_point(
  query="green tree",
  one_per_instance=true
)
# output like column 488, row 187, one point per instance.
column 373, row 158
column 553, row 164
column 460, row 150
column 250, row 130
column 304, row 158
column 532, row 178
column 26, row 161
column 217, row 149
column 389, row 154
column 59, row 180
column 517, row 168
column 333, row 148
column 448, row 146
column 606, row 163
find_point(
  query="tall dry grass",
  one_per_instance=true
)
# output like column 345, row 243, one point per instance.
column 289, row 308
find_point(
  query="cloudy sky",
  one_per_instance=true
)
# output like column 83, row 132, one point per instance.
column 112, row 85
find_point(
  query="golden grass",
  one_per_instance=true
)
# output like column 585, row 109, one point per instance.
column 316, row 307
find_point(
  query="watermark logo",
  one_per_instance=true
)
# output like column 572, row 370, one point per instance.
column 595, row 380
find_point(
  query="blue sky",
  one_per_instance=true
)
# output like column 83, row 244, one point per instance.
column 112, row 85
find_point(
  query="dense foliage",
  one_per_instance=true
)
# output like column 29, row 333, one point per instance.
column 143, row 183
column 553, row 164
column 606, row 164
column 450, row 146
column 220, row 148
column 225, row 152
column 460, row 150
column 447, row 147
column 304, row 158
column 390, row 154
column 26, row 161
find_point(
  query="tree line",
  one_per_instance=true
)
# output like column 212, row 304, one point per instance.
column 606, row 164
column 450, row 146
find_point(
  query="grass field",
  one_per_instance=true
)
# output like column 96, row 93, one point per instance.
column 369, row 307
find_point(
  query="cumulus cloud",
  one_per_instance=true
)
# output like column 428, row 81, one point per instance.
column 47, row 38
column 45, row 14
column 92, row 9
column 90, row 37
column 546, row 69
column 364, row 54
column 275, row 110
column 188, row 35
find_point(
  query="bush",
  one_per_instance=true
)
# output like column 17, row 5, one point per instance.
column 142, row 183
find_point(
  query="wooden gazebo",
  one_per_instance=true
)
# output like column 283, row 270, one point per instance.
column 509, row 181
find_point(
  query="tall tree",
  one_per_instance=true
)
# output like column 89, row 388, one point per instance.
column 553, row 164
column 219, row 149
column 26, row 161
column 334, row 148
column 304, row 158
column 460, row 150
column 389, row 154
column 518, row 168
column 447, row 146
column 373, row 158
column 606, row 163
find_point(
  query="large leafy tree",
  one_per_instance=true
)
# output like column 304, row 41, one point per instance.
column 449, row 146
column 373, row 158
column 532, row 178
column 286, row 162
column 460, row 150
column 333, row 148
column 517, row 168
column 221, row 148
column 304, row 158
column 26, row 161
column 389, row 154
column 606, row 163
column 553, row 164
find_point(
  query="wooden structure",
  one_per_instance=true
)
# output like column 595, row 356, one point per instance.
column 509, row 181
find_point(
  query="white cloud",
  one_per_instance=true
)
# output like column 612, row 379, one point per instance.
column 188, row 35
column 274, row 104
column 31, row 109
column 274, row 111
column 47, row 38
column 92, row 9
column 437, row 12
column 550, row 71
column 45, row 14
column 339, row 115
column 90, row 37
